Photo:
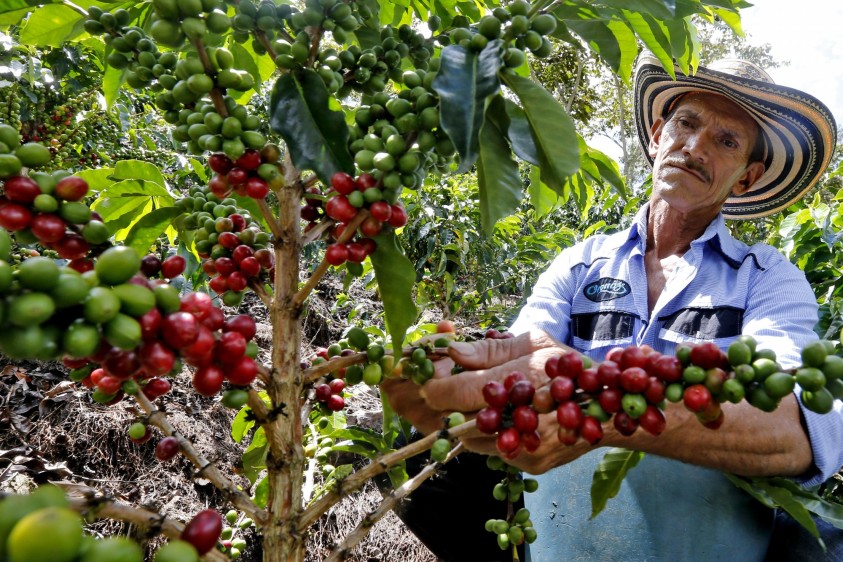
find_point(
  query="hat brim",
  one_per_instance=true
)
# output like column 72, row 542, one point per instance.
column 799, row 130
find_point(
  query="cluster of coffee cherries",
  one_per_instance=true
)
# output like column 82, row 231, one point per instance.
column 633, row 384
column 172, row 330
column 191, row 89
column 41, row 207
column 509, row 414
column 233, row 247
column 46, row 512
column 517, row 528
column 514, row 25
column 347, row 197
column 153, row 267
column 370, row 371
column 252, row 174
column 757, row 375
column 121, row 332
column 331, row 394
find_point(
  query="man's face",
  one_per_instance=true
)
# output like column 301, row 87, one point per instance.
column 701, row 154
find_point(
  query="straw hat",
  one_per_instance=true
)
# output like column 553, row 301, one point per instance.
column 799, row 131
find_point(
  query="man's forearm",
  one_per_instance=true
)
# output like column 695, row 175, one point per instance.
column 750, row 442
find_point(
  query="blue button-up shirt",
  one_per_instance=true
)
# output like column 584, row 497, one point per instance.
column 594, row 297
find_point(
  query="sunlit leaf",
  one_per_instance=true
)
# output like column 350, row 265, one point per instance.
column 396, row 276
column 609, row 476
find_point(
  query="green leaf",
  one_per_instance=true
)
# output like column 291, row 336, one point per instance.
column 262, row 492
column 368, row 37
column 681, row 43
column 50, row 26
column 654, row 34
column 542, row 198
column 553, row 132
column 662, row 9
column 361, row 435
column 464, row 80
column 730, row 18
column 254, row 462
column 604, row 168
column 119, row 212
column 512, row 121
column 138, row 170
column 198, row 168
column 98, row 179
column 150, row 227
column 810, row 499
column 396, row 277
column 12, row 17
column 609, row 475
column 393, row 425
column 111, row 81
column 786, row 501
column 316, row 136
column 497, row 177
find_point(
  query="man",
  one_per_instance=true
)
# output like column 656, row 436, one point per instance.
column 725, row 142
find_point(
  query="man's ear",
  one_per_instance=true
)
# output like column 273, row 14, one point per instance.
column 753, row 172
column 655, row 137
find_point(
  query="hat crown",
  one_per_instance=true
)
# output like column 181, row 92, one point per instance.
column 742, row 69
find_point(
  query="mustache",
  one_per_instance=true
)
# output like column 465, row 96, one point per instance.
column 690, row 164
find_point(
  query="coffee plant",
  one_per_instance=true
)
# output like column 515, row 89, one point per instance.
column 307, row 126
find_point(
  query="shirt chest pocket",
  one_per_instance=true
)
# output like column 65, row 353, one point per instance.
column 602, row 329
column 695, row 324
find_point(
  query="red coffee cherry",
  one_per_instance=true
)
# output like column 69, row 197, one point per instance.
column 167, row 449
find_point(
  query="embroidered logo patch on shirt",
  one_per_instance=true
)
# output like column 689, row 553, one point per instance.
column 606, row 289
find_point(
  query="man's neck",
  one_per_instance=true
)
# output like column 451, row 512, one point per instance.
column 670, row 232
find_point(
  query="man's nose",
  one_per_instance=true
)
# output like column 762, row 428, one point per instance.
column 697, row 145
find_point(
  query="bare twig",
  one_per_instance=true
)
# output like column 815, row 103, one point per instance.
column 377, row 466
column 317, row 231
column 335, row 363
column 95, row 504
column 260, row 291
column 270, row 219
column 350, row 229
column 387, row 505
column 207, row 469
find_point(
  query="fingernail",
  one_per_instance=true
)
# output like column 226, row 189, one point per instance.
column 463, row 348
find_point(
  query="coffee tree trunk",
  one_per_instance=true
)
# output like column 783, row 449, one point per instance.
column 285, row 461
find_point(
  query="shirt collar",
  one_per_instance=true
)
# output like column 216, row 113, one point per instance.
column 715, row 233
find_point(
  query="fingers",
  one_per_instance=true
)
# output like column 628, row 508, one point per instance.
column 442, row 368
column 492, row 352
column 464, row 392
column 404, row 398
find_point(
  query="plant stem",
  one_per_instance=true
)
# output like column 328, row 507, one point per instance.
column 270, row 219
column 96, row 504
column 377, row 466
column 257, row 287
column 387, row 505
column 207, row 469
column 350, row 229
column 285, row 459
